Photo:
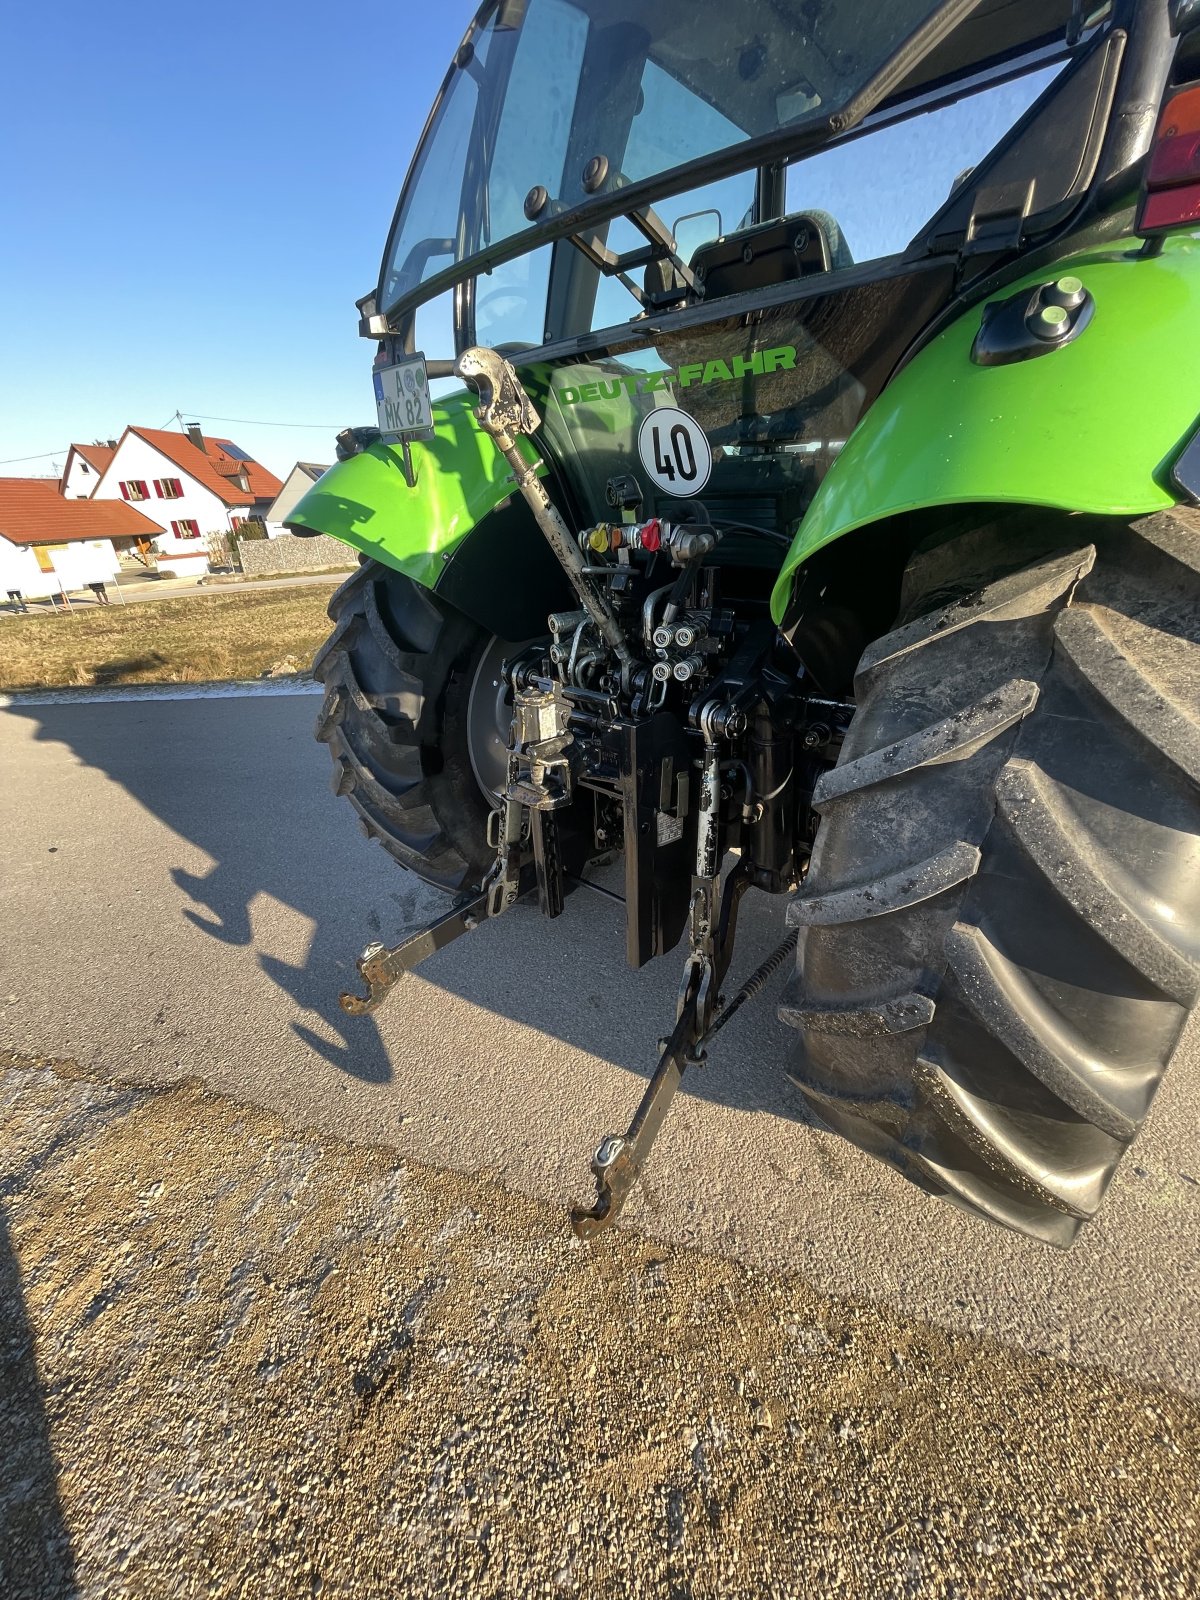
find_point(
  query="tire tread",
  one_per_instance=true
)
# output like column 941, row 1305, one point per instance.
column 1056, row 968
column 392, row 658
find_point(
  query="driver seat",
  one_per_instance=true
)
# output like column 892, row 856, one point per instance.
column 776, row 252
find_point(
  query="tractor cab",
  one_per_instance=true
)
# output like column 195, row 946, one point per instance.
column 613, row 194
column 588, row 163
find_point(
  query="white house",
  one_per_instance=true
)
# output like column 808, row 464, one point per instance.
column 49, row 544
column 297, row 484
column 84, row 469
column 190, row 486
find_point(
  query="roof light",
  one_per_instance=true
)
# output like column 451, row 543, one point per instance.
column 1172, row 198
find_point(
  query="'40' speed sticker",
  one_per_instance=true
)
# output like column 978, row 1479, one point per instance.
column 675, row 452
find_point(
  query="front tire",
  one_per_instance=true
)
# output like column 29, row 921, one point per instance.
column 1000, row 930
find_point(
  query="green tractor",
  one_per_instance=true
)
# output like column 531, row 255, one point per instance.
column 813, row 514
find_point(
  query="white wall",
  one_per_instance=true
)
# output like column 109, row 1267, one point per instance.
column 82, row 479
column 295, row 486
column 75, row 566
column 86, row 561
column 19, row 570
column 135, row 458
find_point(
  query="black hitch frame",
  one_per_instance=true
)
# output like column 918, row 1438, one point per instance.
column 673, row 779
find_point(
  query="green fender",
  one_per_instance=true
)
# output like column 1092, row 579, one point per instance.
column 1093, row 426
column 367, row 501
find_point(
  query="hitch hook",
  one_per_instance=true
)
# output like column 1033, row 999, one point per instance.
column 381, row 969
column 618, row 1162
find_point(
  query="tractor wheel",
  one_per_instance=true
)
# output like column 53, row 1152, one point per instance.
column 1000, row 931
column 416, row 723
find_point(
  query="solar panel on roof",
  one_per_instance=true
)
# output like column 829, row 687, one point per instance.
column 235, row 451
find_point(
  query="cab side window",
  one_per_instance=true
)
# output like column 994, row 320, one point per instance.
column 670, row 126
column 531, row 148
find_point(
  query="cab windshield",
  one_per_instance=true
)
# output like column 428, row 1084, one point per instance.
column 541, row 88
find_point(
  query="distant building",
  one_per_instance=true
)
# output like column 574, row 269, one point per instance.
column 189, row 484
column 84, row 469
column 49, row 543
column 297, row 484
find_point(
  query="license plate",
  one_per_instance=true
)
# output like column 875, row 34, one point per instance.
column 402, row 399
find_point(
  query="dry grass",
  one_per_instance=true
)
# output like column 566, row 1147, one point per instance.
column 208, row 638
column 226, row 580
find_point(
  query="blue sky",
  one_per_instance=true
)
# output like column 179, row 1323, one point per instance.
column 194, row 197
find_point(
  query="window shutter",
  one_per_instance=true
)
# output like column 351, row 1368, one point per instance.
column 158, row 487
column 124, row 487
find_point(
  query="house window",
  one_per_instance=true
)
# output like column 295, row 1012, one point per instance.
column 134, row 489
column 188, row 529
column 168, row 488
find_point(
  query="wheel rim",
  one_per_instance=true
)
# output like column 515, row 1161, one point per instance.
column 489, row 719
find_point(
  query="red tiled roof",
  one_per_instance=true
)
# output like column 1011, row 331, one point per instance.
column 96, row 455
column 33, row 511
column 215, row 467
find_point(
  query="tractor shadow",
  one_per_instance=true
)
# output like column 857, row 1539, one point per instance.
column 245, row 782
column 568, row 979
column 35, row 1547
column 254, row 798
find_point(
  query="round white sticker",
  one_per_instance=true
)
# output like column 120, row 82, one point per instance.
column 675, row 452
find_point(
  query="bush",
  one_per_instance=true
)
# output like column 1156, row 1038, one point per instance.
column 220, row 549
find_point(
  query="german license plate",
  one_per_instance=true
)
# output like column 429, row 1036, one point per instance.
column 402, row 399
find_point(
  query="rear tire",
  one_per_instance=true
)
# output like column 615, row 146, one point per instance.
column 1000, row 930
column 398, row 671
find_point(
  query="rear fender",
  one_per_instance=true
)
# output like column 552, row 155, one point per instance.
column 1093, row 426
column 460, row 530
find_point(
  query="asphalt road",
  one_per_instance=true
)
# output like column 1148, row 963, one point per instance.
column 183, row 897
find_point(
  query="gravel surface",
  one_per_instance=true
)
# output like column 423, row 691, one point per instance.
column 243, row 1359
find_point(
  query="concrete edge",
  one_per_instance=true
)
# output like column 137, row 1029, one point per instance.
column 234, row 689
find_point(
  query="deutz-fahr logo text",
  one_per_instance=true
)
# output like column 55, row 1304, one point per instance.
column 758, row 365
